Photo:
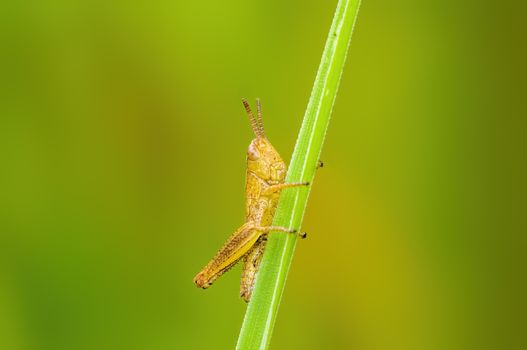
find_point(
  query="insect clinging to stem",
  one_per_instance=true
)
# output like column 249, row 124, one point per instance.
column 265, row 179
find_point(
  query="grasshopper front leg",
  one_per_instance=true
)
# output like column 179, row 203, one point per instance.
column 275, row 188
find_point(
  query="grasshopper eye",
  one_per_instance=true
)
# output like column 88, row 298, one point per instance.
column 252, row 153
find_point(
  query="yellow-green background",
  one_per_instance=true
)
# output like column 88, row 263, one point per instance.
column 122, row 144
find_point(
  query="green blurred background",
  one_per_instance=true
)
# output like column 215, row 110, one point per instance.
column 122, row 144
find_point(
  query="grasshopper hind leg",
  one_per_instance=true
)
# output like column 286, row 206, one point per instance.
column 251, row 265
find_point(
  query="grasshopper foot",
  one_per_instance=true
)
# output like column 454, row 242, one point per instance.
column 320, row 164
column 303, row 235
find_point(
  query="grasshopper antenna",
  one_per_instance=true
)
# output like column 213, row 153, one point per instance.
column 254, row 122
column 260, row 123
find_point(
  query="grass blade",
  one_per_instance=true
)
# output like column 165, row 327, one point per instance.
column 261, row 312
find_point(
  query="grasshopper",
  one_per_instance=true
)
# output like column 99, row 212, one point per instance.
column 266, row 173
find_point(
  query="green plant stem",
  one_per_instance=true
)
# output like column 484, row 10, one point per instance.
column 261, row 313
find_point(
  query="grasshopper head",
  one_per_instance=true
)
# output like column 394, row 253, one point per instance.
column 265, row 162
column 262, row 159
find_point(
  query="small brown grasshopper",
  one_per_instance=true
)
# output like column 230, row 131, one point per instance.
column 265, row 179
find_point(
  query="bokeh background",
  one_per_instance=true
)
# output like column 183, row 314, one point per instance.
column 122, row 143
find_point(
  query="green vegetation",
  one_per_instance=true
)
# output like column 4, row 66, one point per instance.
column 261, row 313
